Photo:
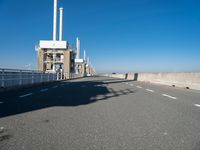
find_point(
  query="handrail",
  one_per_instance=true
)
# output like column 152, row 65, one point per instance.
column 20, row 70
column 20, row 77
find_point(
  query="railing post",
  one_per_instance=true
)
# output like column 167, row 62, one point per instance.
column 3, row 78
column 61, row 76
column 48, row 77
column 32, row 78
column 40, row 77
column 57, row 76
column 53, row 77
column 20, row 77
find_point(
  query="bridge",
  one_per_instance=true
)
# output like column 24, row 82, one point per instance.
column 100, row 112
column 65, row 105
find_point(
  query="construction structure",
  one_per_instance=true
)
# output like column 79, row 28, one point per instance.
column 57, row 56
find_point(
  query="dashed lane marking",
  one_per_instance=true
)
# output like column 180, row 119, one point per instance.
column 26, row 95
column 55, row 87
column 165, row 95
column 197, row 105
column 139, row 87
column 1, row 102
column 44, row 90
column 132, row 85
column 150, row 90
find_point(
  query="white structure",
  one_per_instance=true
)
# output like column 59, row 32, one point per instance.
column 84, row 57
column 55, row 20
column 88, row 60
column 78, row 51
column 78, row 44
column 61, row 24
column 53, row 44
column 56, row 55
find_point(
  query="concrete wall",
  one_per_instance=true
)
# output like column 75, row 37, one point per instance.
column 190, row 80
column 121, row 76
column 184, row 80
column 41, row 60
column 67, row 63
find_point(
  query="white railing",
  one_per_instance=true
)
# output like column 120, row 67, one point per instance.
column 15, row 77
column 65, row 76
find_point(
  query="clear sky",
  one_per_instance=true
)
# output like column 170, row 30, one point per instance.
column 119, row 35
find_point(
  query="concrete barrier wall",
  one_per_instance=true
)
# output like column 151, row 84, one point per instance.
column 190, row 80
column 184, row 80
column 120, row 76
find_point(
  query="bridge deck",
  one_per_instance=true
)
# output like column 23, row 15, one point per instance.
column 100, row 113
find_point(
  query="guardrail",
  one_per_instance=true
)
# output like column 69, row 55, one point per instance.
column 15, row 77
column 10, row 78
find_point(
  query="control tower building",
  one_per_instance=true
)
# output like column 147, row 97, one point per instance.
column 56, row 56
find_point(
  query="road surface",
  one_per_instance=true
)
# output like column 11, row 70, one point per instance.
column 100, row 113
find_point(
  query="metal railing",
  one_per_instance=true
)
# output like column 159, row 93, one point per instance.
column 15, row 77
column 65, row 76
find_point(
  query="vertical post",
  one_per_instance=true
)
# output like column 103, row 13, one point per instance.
column 32, row 77
column 61, row 76
column 54, row 77
column 41, row 78
column 57, row 76
column 3, row 78
column 48, row 77
column 20, row 77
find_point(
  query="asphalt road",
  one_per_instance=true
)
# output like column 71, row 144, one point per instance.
column 100, row 113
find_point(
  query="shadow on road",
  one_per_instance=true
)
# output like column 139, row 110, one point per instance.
column 70, row 95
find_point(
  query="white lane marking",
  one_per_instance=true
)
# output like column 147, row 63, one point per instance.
column 150, row 90
column 44, row 90
column 55, row 87
column 1, row 128
column 165, row 95
column 62, row 84
column 126, row 83
column 29, row 94
column 197, row 105
column 139, row 87
column 1, row 102
column 132, row 85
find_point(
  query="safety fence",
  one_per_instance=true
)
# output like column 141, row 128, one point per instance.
column 16, row 77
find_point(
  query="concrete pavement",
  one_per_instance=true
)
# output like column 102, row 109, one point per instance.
column 100, row 113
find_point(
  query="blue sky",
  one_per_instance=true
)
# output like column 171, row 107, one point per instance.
column 119, row 36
